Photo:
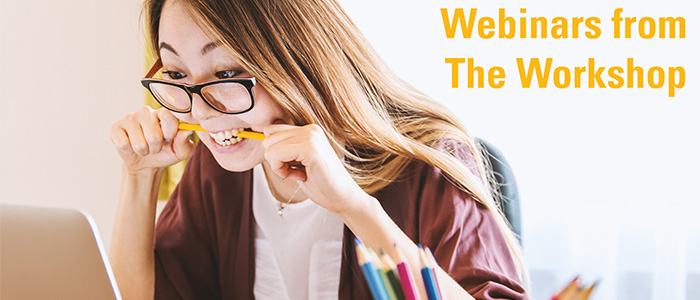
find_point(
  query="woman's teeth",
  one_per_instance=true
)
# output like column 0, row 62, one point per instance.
column 227, row 138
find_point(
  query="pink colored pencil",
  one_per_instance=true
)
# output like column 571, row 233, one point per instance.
column 407, row 284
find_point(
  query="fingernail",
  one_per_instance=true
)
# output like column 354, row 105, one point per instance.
column 191, row 132
column 280, row 177
column 168, row 140
column 299, row 180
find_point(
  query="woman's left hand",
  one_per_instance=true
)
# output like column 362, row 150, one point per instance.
column 323, row 176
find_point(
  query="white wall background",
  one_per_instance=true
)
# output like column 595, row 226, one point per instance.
column 608, row 177
column 68, row 69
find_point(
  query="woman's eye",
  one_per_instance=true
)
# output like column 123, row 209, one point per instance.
column 226, row 74
column 175, row 75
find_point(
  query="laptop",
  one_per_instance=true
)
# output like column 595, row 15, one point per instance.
column 52, row 253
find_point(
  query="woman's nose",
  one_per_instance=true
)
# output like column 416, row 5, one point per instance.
column 200, row 109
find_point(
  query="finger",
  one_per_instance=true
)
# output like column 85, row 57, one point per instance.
column 182, row 146
column 282, row 158
column 276, row 133
column 168, row 124
column 291, row 136
column 120, row 139
column 273, row 133
column 135, row 135
column 152, row 132
column 273, row 128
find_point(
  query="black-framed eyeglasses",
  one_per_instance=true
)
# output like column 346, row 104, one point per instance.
column 227, row 96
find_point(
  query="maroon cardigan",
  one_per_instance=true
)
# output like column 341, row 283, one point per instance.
column 204, row 239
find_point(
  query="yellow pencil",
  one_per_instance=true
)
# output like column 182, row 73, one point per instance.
column 244, row 134
column 188, row 126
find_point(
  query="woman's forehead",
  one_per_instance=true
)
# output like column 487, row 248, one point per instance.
column 180, row 32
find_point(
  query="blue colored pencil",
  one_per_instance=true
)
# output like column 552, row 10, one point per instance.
column 383, row 275
column 433, row 264
column 429, row 279
column 376, row 286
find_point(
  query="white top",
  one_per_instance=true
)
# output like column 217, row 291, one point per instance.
column 298, row 255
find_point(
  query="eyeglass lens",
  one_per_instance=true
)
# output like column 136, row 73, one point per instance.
column 225, row 96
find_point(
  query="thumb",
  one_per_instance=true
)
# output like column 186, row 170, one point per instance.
column 182, row 146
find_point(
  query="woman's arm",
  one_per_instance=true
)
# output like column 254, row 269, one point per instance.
column 369, row 222
column 327, row 183
column 131, row 251
column 147, row 141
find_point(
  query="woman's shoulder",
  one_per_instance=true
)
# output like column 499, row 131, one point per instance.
column 421, row 172
column 424, row 193
column 464, row 233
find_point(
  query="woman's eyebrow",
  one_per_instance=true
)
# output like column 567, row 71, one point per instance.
column 166, row 46
column 206, row 49
column 209, row 47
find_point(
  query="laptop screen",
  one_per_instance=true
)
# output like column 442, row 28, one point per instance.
column 51, row 253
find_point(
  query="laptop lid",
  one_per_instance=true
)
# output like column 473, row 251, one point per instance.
column 52, row 253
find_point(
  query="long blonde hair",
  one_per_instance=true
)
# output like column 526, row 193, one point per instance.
column 314, row 61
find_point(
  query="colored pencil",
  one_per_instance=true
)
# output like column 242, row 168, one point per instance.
column 390, row 268
column 568, row 291
column 586, row 292
column 244, row 134
column 418, row 277
column 433, row 265
column 429, row 280
column 188, row 126
column 383, row 274
column 407, row 283
column 371, row 273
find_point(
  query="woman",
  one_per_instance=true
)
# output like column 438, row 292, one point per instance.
column 350, row 151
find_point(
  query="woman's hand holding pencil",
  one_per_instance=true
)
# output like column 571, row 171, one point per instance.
column 149, row 139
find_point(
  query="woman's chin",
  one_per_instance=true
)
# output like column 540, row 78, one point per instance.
column 235, row 166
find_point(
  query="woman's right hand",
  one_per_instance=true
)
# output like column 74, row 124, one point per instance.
column 149, row 139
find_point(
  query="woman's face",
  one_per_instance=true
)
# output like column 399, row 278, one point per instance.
column 191, row 57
